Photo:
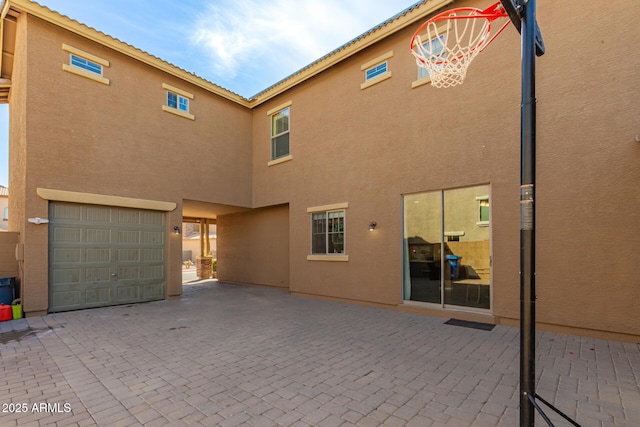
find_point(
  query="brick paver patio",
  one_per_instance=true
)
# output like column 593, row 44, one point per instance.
column 231, row 355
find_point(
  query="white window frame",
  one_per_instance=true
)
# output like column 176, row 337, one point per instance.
column 94, row 68
column 480, row 222
column 382, row 60
column 326, row 209
column 277, row 160
column 422, row 78
column 182, row 98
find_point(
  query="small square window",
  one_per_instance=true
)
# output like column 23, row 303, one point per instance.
column 85, row 64
column 178, row 102
column 376, row 71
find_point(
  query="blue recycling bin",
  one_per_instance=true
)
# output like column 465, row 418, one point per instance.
column 454, row 264
column 7, row 292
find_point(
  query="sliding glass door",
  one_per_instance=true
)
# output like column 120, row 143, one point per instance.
column 447, row 253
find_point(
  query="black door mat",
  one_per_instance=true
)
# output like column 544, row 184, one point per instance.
column 468, row 324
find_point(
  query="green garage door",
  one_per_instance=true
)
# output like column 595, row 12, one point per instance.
column 102, row 255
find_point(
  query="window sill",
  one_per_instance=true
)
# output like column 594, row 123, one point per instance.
column 376, row 80
column 337, row 257
column 482, row 223
column 421, row 82
column 280, row 160
column 86, row 74
column 178, row 112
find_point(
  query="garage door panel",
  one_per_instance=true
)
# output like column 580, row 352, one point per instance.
column 152, row 218
column 98, row 214
column 128, row 272
column 99, row 255
column 97, row 274
column 153, row 272
column 98, row 235
column 153, row 237
column 129, row 255
column 128, row 217
column 129, row 237
column 67, row 234
column 67, row 275
column 153, row 292
column 98, row 296
column 67, row 255
column 67, row 211
column 128, row 293
column 152, row 255
column 67, row 299
column 102, row 255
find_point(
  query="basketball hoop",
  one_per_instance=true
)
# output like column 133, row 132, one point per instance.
column 446, row 44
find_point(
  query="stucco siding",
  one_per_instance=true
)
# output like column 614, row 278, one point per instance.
column 253, row 247
column 83, row 136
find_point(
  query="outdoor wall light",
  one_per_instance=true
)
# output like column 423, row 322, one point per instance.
column 373, row 225
column 176, row 230
column 38, row 220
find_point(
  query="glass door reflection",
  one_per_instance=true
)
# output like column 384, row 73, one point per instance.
column 447, row 247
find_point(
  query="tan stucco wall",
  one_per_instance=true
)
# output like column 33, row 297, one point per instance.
column 253, row 247
column 17, row 143
column 368, row 147
column 365, row 148
column 588, row 168
column 115, row 139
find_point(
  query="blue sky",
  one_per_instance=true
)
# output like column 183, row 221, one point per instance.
column 242, row 45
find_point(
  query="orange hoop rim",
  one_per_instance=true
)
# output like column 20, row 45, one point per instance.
column 491, row 13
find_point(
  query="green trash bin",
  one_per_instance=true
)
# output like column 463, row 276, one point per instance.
column 16, row 309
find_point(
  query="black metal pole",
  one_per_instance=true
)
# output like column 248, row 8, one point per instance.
column 527, row 218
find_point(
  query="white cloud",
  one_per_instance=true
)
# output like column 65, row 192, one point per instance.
column 287, row 34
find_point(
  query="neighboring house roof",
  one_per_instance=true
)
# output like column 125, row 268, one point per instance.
column 377, row 33
column 4, row 191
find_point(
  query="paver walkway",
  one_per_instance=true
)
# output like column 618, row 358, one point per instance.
column 232, row 355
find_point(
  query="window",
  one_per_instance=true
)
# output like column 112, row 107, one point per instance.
column 6, row 214
column 90, row 66
column 178, row 102
column 328, row 233
column 376, row 70
column 435, row 45
column 85, row 64
column 280, row 134
column 483, row 219
column 447, row 254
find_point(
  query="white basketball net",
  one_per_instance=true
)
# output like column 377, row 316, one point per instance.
column 445, row 47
